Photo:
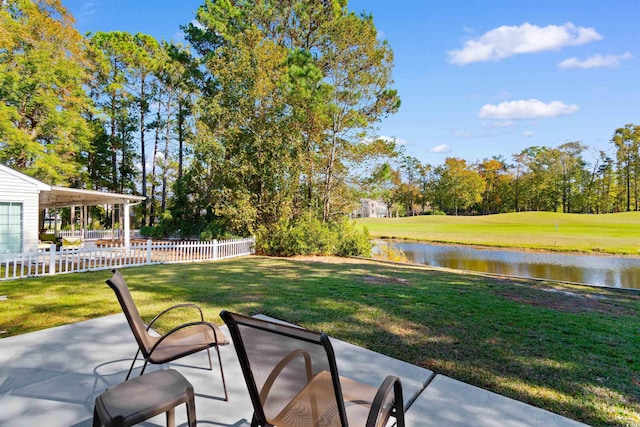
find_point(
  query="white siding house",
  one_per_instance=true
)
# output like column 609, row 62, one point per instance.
column 19, row 210
column 370, row 208
column 22, row 198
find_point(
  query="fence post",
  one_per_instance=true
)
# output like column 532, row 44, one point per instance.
column 52, row 259
column 148, row 251
column 215, row 248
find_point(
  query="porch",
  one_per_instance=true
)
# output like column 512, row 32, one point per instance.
column 51, row 378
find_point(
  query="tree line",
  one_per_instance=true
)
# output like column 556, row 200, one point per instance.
column 262, row 121
column 539, row 178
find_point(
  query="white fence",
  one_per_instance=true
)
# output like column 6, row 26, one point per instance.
column 98, row 234
column 72, row 260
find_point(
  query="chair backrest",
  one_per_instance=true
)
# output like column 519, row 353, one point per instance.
column 278, row 361
column 119, row 286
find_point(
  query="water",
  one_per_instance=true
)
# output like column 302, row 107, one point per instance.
column 612, row 271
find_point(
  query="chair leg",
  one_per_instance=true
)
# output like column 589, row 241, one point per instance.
column 209, row 354
column 132, row 363
column 146, row 361
column 171, row 417
column 224, row 384
column 97, row 422
column 398, row 404
column 191, row 411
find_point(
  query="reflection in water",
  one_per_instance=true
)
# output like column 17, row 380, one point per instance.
column 619, row 272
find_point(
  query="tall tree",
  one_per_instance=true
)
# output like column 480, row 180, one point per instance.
column 604, row 182
column 358, row 67
column 459, row 186
column 293, row 89
column 410, row 168
column 571, row 166
column 186, row 78
column 110, row 53
column 143, row 56
column 43, row 67
column 627, row 143
column 494, row 173
column 426, row 179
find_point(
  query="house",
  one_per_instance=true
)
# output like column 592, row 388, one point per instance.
column 22, row 197
column 370, row 208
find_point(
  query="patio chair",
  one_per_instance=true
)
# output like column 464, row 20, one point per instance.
column 180, row 341
column 293, row 380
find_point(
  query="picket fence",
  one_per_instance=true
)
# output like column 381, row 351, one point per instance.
column 98, row 234
column 92, row 257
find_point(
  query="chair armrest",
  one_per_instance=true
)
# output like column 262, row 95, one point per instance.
column 273, row 375
column 178, row 328
column 386, row 404
column 173, row 308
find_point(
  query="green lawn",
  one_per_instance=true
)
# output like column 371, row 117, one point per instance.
column 609, row 233
column 571, row 350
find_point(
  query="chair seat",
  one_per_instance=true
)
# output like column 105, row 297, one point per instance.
column 316, row 403
column 141, row 398
column 189, row 340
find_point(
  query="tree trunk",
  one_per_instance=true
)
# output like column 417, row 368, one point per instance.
column 152, row 214
column 143, row 158
column 180, row 135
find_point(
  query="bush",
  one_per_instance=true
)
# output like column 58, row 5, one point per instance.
column 352, row 242
column 146, row 231
column 434, row 212
column 310, row 236
column 390, row 252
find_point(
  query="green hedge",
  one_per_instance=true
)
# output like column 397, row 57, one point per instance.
column 310, row 236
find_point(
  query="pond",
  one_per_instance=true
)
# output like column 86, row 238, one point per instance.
column 612, row 271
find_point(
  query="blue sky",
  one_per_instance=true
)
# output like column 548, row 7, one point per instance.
column 476, row 78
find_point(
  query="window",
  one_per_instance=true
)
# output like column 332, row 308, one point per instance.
column 10, row 227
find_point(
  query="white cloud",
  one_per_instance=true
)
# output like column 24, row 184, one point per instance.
column 498, row 124
column 506, row 41
column 440, row 149
column 526, row 109
column 527, row 134
column 595, row 61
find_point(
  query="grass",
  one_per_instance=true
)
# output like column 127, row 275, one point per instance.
column 570, row 350
column 606, row 233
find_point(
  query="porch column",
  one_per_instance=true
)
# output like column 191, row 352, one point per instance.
column 126, row 220
column 73, row 220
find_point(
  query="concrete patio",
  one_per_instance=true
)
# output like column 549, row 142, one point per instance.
column 51, row 378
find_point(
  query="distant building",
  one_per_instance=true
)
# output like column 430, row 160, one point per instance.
column 370, row 208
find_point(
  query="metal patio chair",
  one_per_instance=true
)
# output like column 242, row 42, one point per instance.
column 180, row 341
column 293, row 380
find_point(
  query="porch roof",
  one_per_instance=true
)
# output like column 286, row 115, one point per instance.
column 58, row 197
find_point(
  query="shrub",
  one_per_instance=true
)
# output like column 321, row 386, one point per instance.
column 351, row 241
column 308, row 235
column 391, row 253
column 146, row 231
